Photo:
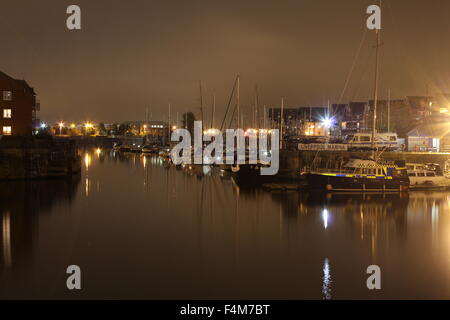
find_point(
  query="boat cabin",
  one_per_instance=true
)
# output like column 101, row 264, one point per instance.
column 373, row 168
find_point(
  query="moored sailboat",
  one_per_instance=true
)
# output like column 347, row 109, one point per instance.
column 365, row 175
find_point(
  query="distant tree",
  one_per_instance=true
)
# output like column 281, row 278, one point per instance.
column 188, row 119
column 114, row 129
column 43, row 132
column 102, row 129
column 122, row 130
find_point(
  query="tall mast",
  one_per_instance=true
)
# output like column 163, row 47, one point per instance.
column 256, row 108
column 281, row 123
column 238, row 98
column 169, row 115
column 375, row 93
column 201, row 100
column 213, row 110
column 389, row 111
column 169, row 126
column 264, row 118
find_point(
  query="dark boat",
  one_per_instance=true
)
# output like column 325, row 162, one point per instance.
column 363, row 175
column 125, row 148
column 136, row 148
column 249, row 174
column 150, row 148
column 117, row 146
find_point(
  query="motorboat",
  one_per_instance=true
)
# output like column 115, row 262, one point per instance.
column 426, row 177
column 365, row 175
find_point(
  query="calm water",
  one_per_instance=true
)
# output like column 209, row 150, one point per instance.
column 140, row 229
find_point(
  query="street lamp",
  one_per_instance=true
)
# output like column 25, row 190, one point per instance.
column 88, row 126
column 61, row 125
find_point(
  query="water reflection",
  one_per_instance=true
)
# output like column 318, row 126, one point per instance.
column 190, row 232
column 326, row 283
column 21, row 205
column 325, row 218
column 6, row 239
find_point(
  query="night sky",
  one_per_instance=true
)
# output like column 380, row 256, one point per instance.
column 135, row 54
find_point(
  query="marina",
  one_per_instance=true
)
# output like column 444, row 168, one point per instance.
column 233, row 158
column 352, row 173
column 206, row 237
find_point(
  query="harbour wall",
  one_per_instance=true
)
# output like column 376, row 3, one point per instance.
column 36, row 158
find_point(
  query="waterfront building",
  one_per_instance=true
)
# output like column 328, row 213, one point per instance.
column 153, row 131
column 299, row 121
column 350, row 118
column 18, row 106
column 430, row 138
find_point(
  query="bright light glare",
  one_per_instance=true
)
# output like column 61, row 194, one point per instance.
column 327, row 122
column 325, row 218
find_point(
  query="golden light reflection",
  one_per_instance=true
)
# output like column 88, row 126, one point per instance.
column 98, row 151
column 87, row 160
column 88, row 186
column 6, row 239
column 362, row 224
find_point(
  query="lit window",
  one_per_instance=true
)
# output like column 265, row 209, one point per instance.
column 7, row 131
column 7, row 95
column 7, row 113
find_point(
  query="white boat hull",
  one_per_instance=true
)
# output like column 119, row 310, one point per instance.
column 423, row 183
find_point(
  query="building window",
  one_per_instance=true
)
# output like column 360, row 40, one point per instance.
column 7, row 131
column 7, row 113
column 7, row 95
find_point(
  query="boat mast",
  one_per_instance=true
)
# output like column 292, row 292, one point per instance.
column 281, row 123
column 237, row 100
column 375, row 93
column 264, row 118
column 389, row 111
column 213, row 110
column 169, row 126
column 201, row 100
column 257, row 124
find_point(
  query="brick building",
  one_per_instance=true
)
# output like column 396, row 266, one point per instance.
column 17, row 106
column 298, row 121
